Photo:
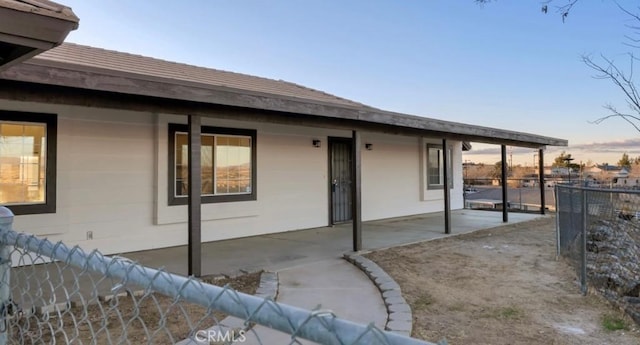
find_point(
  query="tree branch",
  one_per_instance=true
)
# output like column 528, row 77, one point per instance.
column 624, row 82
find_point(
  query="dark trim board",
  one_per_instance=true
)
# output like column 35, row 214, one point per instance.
column 133, row 85
column 51, row 120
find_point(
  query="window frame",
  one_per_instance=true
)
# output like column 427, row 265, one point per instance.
column 449, row 153
column 174, row 200
column 51, row 122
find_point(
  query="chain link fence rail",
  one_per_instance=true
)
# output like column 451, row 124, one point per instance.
column 53, row 294
column 598, row 231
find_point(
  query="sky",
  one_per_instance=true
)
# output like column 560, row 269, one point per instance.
column 505, row 64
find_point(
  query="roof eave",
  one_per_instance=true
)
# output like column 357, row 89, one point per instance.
column 26, row 31
column 42, row 74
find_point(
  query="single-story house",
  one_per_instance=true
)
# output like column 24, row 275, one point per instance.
column 123, row 152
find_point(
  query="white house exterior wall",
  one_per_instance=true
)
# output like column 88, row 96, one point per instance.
column 112, row 181
column 392, row 174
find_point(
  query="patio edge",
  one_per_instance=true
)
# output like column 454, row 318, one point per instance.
column 399, row 315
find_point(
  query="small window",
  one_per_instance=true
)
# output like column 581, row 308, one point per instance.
column 435, row 167
column 28, row 162
column 228, row 162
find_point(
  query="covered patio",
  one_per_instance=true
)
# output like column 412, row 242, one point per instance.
column 289, row 249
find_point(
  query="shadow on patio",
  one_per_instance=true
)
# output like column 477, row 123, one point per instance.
column 288, row 249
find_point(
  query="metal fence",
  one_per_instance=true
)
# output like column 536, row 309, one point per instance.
column 523, row 195
column 53, row 294
column 598, row 231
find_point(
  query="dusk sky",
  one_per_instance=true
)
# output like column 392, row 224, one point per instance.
column 505, row 64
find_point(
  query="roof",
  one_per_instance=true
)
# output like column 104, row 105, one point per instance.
column 29, row 27
column 43, row 8
column 95, row 69
column 102, row 60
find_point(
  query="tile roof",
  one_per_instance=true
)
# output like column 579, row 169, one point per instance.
column 42, row 7
column 80, row 57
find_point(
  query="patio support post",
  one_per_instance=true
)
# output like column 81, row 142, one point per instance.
column 541, row 175
column 356, row 190
column 195, row 187
column 505, row 207
column 445, row 187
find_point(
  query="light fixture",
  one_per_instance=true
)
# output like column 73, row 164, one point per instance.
column 369, row 147
column 316, row 143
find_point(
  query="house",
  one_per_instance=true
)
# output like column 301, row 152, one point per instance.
column 103, row 149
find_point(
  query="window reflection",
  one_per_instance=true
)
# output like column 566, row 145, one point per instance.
column 22, row 163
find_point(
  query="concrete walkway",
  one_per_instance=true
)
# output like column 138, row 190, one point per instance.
column 334, row 284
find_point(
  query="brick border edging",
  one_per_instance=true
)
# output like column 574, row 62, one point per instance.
column 268, row 288
column 399, row 316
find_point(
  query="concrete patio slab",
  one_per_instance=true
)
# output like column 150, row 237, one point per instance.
column 274, row 252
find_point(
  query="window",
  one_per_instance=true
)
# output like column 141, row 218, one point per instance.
column 435, row 168
column 228, row 160
column 28, row 162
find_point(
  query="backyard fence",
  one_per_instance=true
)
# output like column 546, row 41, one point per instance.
column 598, row 231
column 53, row 294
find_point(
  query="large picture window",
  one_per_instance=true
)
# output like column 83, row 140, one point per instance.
column 228, row 162
column 27, row 162
column 435, row 167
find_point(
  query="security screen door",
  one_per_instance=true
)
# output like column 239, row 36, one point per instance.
column 340, row 182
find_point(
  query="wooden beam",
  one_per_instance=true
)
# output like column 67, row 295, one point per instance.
column 41, row 71
column 505, row 185
column 445, row 183
column 27, row 92
column 195, row 191
column 356, row 189
column 541, row 182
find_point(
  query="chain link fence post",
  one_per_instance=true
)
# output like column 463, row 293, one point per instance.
column 6, row 222
column 583, row 244
column 555, row 197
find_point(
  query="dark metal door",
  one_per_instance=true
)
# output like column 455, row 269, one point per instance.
column 340, row 168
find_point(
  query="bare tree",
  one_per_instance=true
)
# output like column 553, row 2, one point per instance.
column 606, row 68
column 562, row 9
column 625, row 83
column 622, row 78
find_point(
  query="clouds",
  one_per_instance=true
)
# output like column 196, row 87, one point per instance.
column 631, row 146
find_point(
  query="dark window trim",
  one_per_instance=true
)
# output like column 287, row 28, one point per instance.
column 173, row 200
column 448, row 152
column 51, row 120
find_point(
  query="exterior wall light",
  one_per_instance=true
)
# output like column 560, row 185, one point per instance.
column 369, row 147
column 316, row 143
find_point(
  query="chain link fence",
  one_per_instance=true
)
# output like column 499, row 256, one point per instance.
column 53, row 294
column 598, row 231
column 523, row 195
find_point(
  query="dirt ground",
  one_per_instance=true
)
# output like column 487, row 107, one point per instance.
column 499, row 286
column 151, row 319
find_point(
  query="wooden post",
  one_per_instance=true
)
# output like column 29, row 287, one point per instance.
column 195, row 191
column 542, row 186
column 505, row 208
column 356, row 190
column 445, row 187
